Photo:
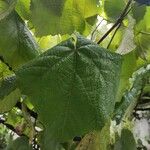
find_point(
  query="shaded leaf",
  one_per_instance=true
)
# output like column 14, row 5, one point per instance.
column 146, row 2
column 126, row 141
column 20, row 143
column 113, row 8
column 21, row 46
column 9, row 101
column 138, row 12
column 9, row 94
column 139, row 79
column 7, row 86
column 23, row 8
column 128, row 67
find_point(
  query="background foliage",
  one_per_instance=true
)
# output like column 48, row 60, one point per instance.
column 70, row 70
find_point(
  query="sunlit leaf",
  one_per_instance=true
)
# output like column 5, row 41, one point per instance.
column 61, row 17
column 23, row 8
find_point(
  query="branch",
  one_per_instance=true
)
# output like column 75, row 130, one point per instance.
column 142, row 109
column 119, row 20
column 92, row 34
column 113, row 35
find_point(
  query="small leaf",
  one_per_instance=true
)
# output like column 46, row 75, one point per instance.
column 96, row 140
column 138, row 12
column 73, row 87
column 6, row 7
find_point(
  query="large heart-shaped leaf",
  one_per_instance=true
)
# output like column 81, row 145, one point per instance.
column 73, row 87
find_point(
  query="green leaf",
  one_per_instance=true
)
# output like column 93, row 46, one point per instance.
column 4, row 70
column 23, row 8
column 9, row 94
column 6, row 7
column 143, row 45
column 17, row 45
column 88, row 7
column 143, row 2
column 130, row 97
column 113, row 8
column 21, row 143
column 7, row 86
column 73, row 87
column 144, row 24
column 9, row 101
column 142, row 37
column 128, row 67
column 65, row 19
column 138, row 12
column 126, row 141
column 61, row 17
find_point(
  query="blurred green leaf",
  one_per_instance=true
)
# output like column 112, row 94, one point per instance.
column 126, row 141
column 138, row 12
column 9, row 101
column 6, row 7
column 7, row 85
column 21, row 143
column 139, row 79
column 17, row 45
column 23, row 8
column 113, row 9
column 9, row 94
column 128, row 67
